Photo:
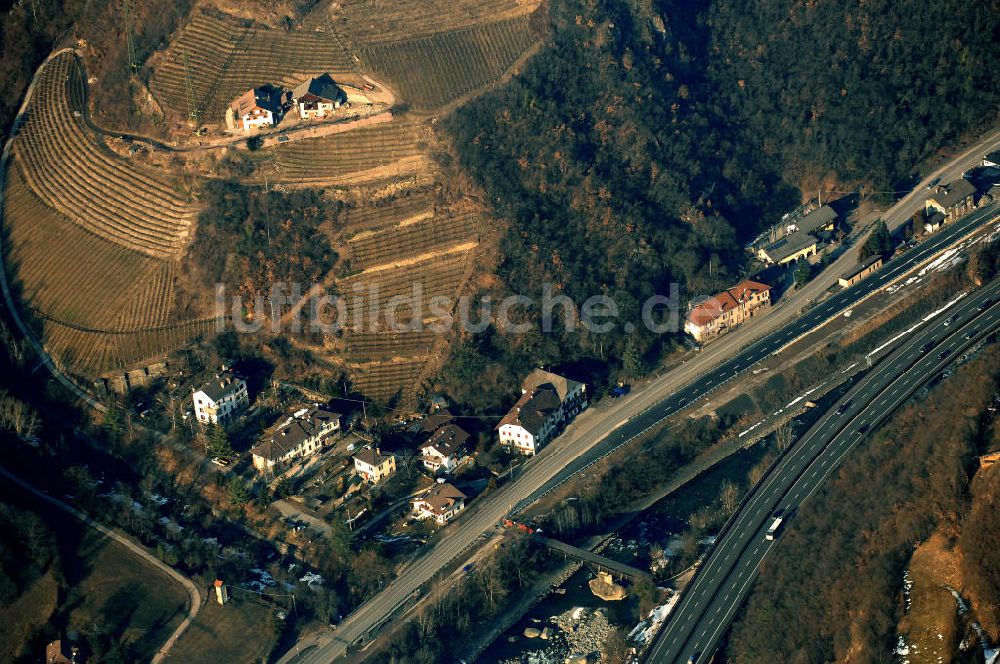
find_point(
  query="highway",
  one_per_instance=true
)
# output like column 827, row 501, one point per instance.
column 721, row 584
column 612, row 424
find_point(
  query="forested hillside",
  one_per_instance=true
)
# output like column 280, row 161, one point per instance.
column 854, row 92
column 649, row 138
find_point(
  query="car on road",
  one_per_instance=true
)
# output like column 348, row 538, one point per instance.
column 945, row 353
column 693, row 659
column 861, row 429
column 951, row 319
column 971, row 333
column 619, row 390
column 927, row 346
column 933, row 183
column 985, row 304
column 843, row 407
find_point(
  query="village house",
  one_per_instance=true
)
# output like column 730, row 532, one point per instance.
column 220, row 398
column 301, row 435
column 444, row 449
column 317, row 97
column 790, row 248
column 548, row 401
column 255, row 108
column 933, row 222
column 952, row 200
column 726, row 310
column 373, row 466
column 441, row 503
column 865, row 268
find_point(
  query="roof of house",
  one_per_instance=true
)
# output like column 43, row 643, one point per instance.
column 323, row 87
column 952, row 193
column 266, row 98
column 722, row 302
column 935, row 219
column 533, row 409
column 789, row 245
column 442, row 497
column 863, row 265
column 433, row 422
column 818, row 218
column 562, row 385
column 447, row 439
column 372, row 456
column 294, row 431
column 993, row 157
column 222, row 384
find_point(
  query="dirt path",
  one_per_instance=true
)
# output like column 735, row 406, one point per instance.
column 194, row 595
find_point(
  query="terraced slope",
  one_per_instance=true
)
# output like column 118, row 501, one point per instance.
column 70, row 171
column 226, row 56
column 431, row 71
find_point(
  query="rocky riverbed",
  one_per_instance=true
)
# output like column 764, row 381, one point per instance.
column 576, row 636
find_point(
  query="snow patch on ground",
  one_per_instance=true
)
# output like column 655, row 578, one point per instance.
column 645, row 630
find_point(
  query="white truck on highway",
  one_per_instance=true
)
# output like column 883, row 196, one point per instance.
column 775, row 527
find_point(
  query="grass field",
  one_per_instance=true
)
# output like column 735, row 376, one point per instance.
column 431, row 71
column 28, row 612
column 241, row 631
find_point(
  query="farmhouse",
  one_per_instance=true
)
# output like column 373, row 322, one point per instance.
column 548, row 401
column 952, row 200
column 726, row 310
column 220, row 398
column 443, row 450
column 866, row 267
column 318, row 97
column 255, row 108
column 441, row 503
column 301, row 435
column 374, row 466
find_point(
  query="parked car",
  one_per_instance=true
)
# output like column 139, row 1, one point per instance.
column 619, row 390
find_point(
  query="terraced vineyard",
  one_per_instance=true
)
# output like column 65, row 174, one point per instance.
column 412, row 237
column 370, row 217
column 367, row 154
column 227, row 56
column 431, row 71
column 70, row 171
column 383, row 346
column 384, row 380
column 365, row 22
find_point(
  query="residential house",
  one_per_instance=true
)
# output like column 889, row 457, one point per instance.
column 726, row 310
column 952, row 200
column 221, row 397
column 301, row 435
column 373, row 466
column 933, row 222
column 548, row 401
column 317, row 97
column 255, row 108
column 792, row 247
column 445, row 447
column 823, row 218
column 441, row 503
column 992, row 159
column 865, row 268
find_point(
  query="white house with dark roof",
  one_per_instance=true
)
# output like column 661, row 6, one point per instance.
column 444, row 449
column 441, row 503
column 255, row 108
column 953, row 200
column 220, row 398
column 548, row 401
column 317, row 97
column 374, row 466
column 302, row 434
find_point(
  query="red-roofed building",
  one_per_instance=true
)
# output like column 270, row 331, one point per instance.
column 724, row 311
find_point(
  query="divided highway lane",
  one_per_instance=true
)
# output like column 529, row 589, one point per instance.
column 711, row 601
column 579, row 446
column 760, row 350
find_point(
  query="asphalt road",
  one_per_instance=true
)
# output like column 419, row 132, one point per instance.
column 604, row 428
column 723, row 581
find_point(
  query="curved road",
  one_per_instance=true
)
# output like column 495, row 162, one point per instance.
column 722, row 583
